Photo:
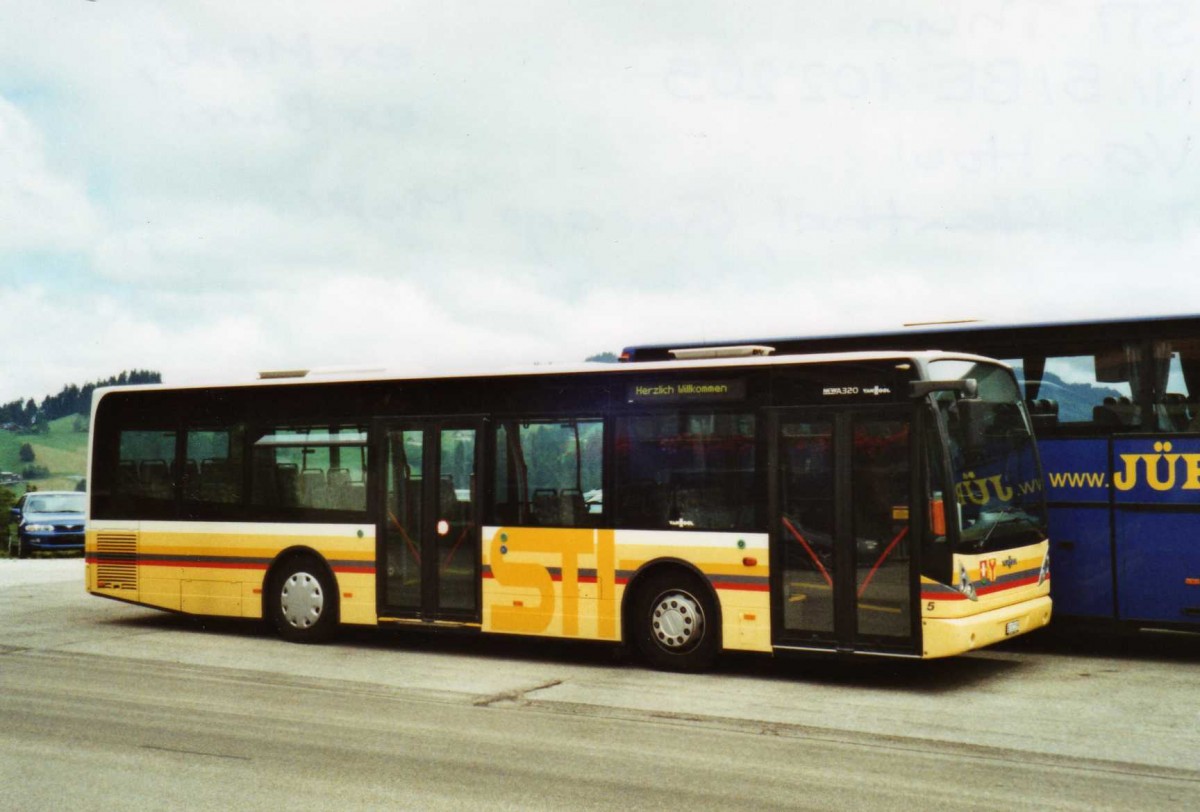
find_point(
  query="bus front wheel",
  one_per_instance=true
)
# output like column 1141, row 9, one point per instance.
column 675, row 623
column 304, row 601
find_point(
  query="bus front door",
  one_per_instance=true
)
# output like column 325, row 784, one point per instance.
column 841, row 530
column 429, row 529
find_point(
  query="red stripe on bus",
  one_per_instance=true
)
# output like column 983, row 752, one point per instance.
column 742, row 587
column 365, row 569
column 215, row 565
column 993, row 588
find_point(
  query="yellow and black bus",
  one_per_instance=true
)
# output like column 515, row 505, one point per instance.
column 875, row 503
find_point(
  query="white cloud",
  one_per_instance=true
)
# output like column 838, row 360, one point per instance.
column 290, row 184
column 40, row 209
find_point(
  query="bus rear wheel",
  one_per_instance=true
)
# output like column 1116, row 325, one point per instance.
column 303, row 601
column 675, row 623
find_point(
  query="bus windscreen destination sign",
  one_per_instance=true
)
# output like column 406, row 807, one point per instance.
column 681, row 391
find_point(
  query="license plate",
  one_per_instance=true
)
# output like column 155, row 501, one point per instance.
column 1012, row 627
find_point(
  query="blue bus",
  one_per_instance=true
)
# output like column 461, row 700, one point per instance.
column 1116, row 408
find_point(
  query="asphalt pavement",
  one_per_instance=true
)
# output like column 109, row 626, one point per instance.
column 107, row 704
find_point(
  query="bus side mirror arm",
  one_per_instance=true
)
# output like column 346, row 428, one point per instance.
column 966, row 388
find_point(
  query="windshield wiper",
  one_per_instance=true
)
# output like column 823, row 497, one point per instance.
column 1011, row 514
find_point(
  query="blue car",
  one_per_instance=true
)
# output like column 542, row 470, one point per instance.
column 49, row 520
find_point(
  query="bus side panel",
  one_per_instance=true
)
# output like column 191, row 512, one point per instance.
column 564, row 582
column 1156, row 482
column 1159, row 557
column 558, row 582
column 1081, row 562
column 1079, row 526
column 218, row 569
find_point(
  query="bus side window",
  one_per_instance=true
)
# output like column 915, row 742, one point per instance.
column 1043, row 411
column 310, row 468
column 687, row 470
column 548, row 473
column 144, row 466
column 1177, row 385
column 213, row 466
column 1103, row 388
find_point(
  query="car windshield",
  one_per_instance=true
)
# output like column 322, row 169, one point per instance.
column 995, row 466
column 56, row 503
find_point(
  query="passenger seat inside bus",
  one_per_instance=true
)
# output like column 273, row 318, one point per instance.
column 314, row 491
column 1176, row 413
column 1043, row 413
column 1118, row 412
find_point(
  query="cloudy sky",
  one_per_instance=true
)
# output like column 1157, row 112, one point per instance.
column 210, row 189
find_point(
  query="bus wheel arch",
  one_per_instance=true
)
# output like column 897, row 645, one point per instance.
column 300, row 596
column 673, row 616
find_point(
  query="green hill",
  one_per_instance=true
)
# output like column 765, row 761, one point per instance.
column 63, row 450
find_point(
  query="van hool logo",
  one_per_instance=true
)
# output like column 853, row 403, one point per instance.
column 1161, row 470
column 843, row 391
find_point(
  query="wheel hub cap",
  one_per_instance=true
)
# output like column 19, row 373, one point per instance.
column 678, row 621
column 302, row 600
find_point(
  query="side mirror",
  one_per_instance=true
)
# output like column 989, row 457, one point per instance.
column 973, row 419
column 16, row 513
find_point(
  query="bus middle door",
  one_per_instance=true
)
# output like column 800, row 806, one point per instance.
column 429, row 528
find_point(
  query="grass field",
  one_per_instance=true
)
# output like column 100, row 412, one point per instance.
column 63, row 450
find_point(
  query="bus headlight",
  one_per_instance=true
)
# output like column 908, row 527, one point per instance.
column 1045, row 571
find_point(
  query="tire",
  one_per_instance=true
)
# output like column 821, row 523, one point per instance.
column 22, row 548
column 303, row 600
column 675, row 622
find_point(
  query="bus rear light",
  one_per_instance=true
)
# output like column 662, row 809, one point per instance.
column 750, row 562
column 1192, row 581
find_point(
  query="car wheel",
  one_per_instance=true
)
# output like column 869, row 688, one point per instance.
column 303, row 601
column 675, row 623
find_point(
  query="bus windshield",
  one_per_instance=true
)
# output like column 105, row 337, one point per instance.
column 994, row 463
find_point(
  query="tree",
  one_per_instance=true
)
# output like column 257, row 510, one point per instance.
column 26, row 453
column 603, row 358
column 72, row 399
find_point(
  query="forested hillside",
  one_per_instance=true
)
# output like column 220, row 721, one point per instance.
column 26, row 413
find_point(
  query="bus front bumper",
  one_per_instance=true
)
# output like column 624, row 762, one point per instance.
column 943, row 637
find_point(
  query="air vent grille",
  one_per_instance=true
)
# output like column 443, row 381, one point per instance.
column 116, row 561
